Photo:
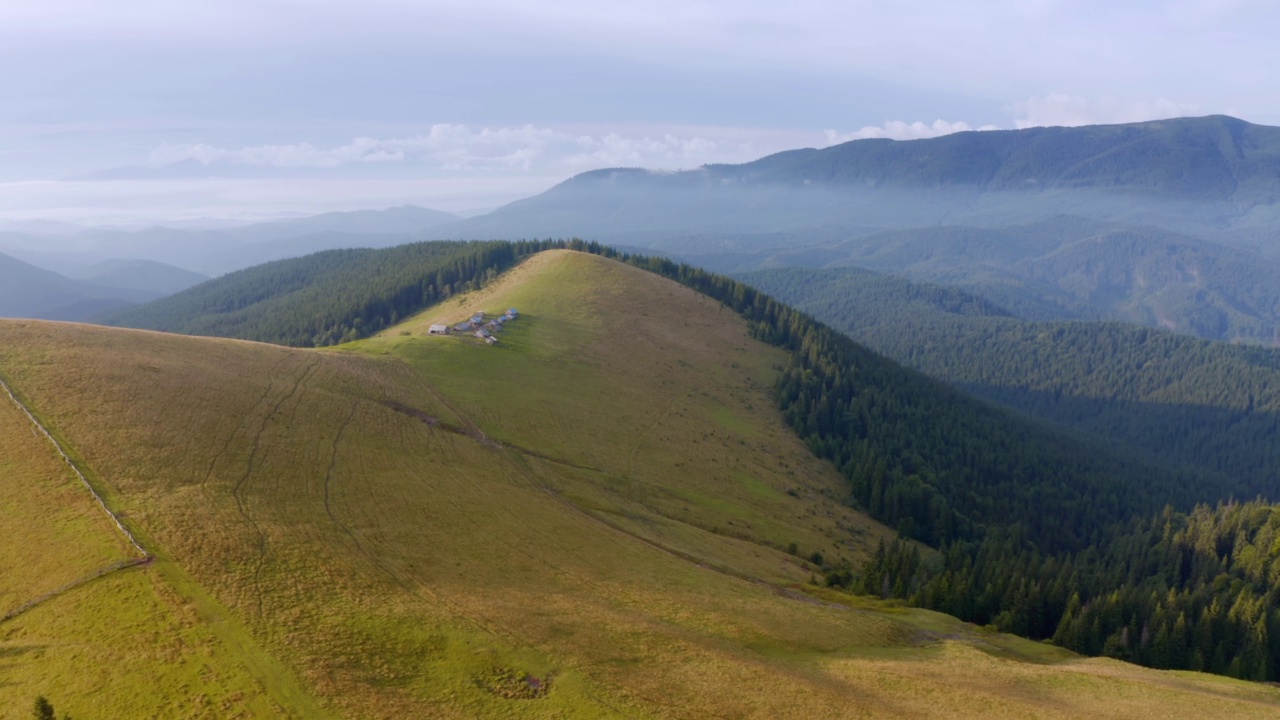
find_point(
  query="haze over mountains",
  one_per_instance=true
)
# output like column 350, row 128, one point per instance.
column 1170, row 223
column 1211, row 171
column 101, row 270
column 221, row 250
column 30, row 291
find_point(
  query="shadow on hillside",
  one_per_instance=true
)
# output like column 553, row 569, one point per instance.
column 1237, row 449
column 11, row 658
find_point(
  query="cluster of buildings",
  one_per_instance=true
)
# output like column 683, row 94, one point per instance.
column 477, row 326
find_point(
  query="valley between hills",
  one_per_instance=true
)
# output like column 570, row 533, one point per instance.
column 604, row 515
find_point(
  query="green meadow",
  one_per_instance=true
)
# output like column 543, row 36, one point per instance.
column 591, row 518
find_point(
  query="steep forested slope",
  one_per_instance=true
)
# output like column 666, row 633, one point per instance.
column 1172, row 590
column 1209, row 406
column 324, row 298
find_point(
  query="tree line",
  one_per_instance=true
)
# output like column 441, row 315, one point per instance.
column 328, row 297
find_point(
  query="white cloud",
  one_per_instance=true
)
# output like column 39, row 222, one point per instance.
column 464, row 148
column 1072, row 110
column 666, row 150
column 900, row 130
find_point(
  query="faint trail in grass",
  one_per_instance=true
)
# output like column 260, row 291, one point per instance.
column 232, row 435
column 277, row 681
column 471, row 429
column 238, row 490
column 57, row 446
column 435, row 422
column 521, row 468
column 328, row 478
column 642, row 435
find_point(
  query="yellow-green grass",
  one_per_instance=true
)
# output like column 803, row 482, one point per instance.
column 83, row 635
column 411, row 526
column 658, row 391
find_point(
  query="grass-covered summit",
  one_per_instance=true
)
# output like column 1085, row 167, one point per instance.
column 602, row 516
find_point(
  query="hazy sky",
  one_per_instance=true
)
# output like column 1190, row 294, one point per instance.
column 181, row 108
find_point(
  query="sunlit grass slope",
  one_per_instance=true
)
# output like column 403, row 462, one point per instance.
column 589, row 519
column 89, row 629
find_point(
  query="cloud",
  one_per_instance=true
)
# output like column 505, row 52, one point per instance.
column 1072, row 110
column 465, row 148
column 900, row 130
column 663, row 151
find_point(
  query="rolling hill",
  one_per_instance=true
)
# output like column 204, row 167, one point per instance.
column 604, row 515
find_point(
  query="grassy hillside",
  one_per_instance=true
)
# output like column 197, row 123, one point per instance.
column 590, row 519
column 99, row 635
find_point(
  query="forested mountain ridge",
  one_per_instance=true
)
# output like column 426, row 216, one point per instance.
column 1025, row 517
column 887, row 406
column 324, row 298
column 144, row 275
column 1202, row 404
column 1069, row 268
column 1206, row 158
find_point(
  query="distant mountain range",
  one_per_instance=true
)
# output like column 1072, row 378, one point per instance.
column 1205, row 169
column 221, row 250
column 30, row 291
column 1171, row 223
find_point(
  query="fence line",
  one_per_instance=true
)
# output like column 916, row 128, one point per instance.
column 67, row 459
column 100, row 572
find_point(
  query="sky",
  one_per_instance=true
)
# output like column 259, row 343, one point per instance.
column 149, row 110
